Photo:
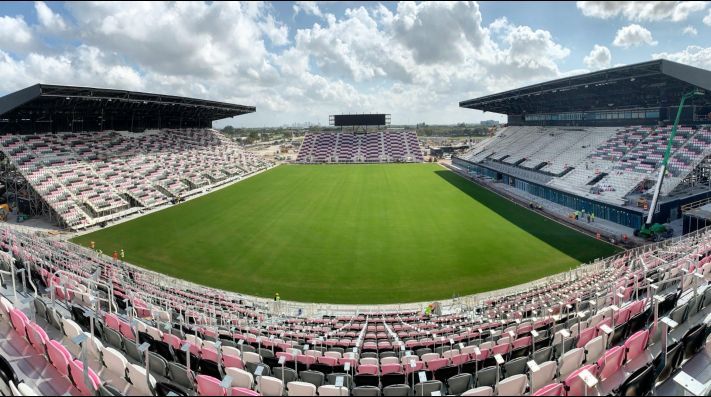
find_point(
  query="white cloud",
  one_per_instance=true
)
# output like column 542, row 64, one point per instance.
column 277, row 33
column 632, row 36
column 84, row 66
column 675, row 11
column 307, row 7
column 182, row 38
column 499, row 24
column 15, row 35
column 424, row 29
column 690, row 31
column 48, row 19
column 707, row 19
column 691, row 55
column 598, row 58
column 352, row 48
column 530, row 55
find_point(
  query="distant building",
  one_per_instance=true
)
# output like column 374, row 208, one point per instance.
column 489, row 123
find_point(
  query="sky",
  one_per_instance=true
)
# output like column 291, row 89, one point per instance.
column 299, row 62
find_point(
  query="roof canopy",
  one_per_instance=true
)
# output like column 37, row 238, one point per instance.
column 44, row 107
column 643, row 85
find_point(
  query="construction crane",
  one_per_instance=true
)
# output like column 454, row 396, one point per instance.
column 648, row 230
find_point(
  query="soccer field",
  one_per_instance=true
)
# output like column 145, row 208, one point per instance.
column 358, row 234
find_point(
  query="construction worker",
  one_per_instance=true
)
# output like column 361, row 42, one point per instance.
column 92, row 245
column 115, row 255
column 593, row 217
column 123, row 255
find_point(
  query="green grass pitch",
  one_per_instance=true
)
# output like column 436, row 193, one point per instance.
column 359, row 234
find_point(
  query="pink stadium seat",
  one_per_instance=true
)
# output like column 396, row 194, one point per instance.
column 38, row 337
column 77, row 372
column 289, row 356
column 437, row 363
column 636, row 344
column 19, row 321
column 59, row 356
column 524, row 329
column 575, row 386
column 585, row 336
column 622, row 316
column 419, row 366
column 353, row 362
column 390, row 368
column 241, row 391
column 229, row 360
column 607, row 321
column 172, row 340
column 209, row 386
column 112, row 321
column 521, row 342
column 126, row 330
column 483, row 355
column 554, row 389
column 304, row 359
column 611, row 361
column 500, row 349
column 459, row 359
column 208, row 353
column 369, row 369
column 330, row 361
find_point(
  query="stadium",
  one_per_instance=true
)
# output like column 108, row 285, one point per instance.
column 541, row 261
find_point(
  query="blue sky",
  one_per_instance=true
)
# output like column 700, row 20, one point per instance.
column 301, row 61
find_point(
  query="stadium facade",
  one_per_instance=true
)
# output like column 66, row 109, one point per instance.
column 56, row 108
column 595, row 141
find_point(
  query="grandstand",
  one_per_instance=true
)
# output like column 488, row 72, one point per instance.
column 388, row 146
column 88, row 175
column 76, row 323
column 596, row 141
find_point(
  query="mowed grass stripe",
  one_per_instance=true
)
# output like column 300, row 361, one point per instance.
column 359, row 234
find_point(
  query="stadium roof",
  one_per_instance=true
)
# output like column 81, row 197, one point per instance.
column 642, row 85
column 65, row 107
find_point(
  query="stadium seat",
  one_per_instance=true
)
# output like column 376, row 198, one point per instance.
column 209, row 386
column 544, row 376
column 512, row 386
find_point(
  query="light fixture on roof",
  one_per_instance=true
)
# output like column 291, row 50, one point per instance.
column 632, row 79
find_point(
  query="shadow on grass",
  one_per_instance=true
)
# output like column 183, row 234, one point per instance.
column 569, row 241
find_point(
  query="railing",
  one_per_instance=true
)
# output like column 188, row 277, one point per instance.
column 677, row 248
column 695, row 204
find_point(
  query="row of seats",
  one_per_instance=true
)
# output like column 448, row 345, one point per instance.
column 616, row 159
column 373, row 147
column 193, row 331
column 88, row 178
